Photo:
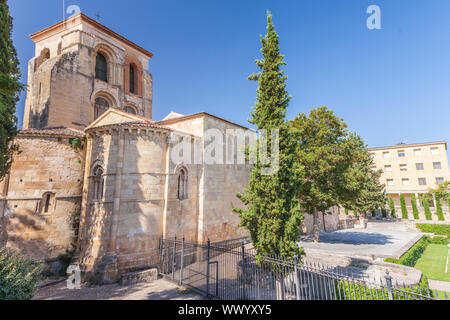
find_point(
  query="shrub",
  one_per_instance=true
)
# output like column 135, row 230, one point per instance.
column 439, row 211
column 18, row 276
column 414, row 206
column 426, row 207
column 373, row 213
column 392, row 206
column 439, row 240
column 346, row 211
column 443, row 230
column 383, row 212
column 403, row 206
column 413, row 254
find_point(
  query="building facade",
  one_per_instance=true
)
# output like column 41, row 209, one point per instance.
column 413, row 169
column 97, row 173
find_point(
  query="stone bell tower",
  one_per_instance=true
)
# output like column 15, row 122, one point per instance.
column 80, row 69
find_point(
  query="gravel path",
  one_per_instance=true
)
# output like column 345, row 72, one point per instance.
column 157, row 290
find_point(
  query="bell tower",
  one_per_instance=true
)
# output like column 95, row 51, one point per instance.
column 80, row 69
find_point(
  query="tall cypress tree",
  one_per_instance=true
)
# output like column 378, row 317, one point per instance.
column 10, row 88
column 272, row 212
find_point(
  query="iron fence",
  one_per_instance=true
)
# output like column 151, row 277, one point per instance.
column 229, row 270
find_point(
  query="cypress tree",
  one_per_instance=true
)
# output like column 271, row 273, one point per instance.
column 272, row 211
column 426, row 207
column 414, row 206
column 383, row 212
column 439, row 211
column 403, row 206
column 10, row 87
column 392, row 207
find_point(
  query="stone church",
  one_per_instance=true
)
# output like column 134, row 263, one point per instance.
column 94, row 170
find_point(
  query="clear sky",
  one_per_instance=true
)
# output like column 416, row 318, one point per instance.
column 390, row 85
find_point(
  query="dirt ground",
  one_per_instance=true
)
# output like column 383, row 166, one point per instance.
column 157, row 290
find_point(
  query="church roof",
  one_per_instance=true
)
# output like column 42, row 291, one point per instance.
column 117, row 118
column 172, row 118
column 61, row 132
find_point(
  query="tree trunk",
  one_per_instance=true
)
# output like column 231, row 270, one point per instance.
column 323, row 219
column 316, row 227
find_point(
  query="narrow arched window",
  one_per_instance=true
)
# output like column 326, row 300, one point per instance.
column 132, row 80
column 100, row 107
column 182, row 185
column 98, row 184
column 47, row 202
column 130, row 110
column 101, row 67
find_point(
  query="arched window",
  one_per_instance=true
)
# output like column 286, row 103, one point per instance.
column 47, row 202
column 182, row 185
column 132, row 79
column 98, row 184
column 101, row 67
column 100, row 107
column 130, row 110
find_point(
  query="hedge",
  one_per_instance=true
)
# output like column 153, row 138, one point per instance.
column 443, row 230
column 383, row 213
column 413, row 254
column 403, row 206
column 414, row 206
column 18, row 276
column 426, row 207
column 439, row 211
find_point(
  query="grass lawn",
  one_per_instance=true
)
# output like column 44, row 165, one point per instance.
column 433, row 261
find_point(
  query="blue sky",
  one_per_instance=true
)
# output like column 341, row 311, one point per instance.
column 390, row 85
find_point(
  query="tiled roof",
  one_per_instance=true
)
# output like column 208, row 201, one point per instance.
column 52, row 132
column 138, row 124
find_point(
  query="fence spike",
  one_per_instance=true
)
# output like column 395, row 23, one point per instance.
column 437, row 293
column 445, row 295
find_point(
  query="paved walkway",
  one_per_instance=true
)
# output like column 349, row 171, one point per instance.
column 157, row 290
column 439, row 285
column 379, row 240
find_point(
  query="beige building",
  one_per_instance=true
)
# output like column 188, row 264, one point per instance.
column 97, row 173
column 412, row 169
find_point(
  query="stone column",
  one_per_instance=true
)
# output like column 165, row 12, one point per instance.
column 117, row 191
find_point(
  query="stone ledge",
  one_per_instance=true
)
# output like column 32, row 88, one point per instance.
column 138, row 277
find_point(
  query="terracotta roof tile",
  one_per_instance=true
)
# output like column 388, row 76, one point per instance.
column 52, row 132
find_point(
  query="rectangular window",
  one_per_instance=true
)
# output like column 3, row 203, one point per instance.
column 437, row 165
column 401, row 153
column 418, row 152
column 422, row 181
column 419, row 166
column 439, row 180
column 434, row 150
column 374, row 168
column 387, row 168
column 403, row 167
column 390, row 182
column 386, row 155
column 405, row 182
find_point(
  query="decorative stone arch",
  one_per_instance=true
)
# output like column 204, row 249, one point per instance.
column 102, row 101
column 47, row 203
column 111, row 60
column 129, row 108
column 132, row 62
column 181, row 174
column 97, row 172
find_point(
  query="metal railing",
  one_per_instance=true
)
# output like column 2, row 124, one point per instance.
column 229, row 270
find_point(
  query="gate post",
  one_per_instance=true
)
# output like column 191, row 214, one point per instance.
column 296, row 277
column 174, row 257
column 207, row 269
column 389, row 285
column 244, row 272
column 182, row 261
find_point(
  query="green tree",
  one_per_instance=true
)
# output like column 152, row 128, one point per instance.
column 383, row 212
column 371, row 193
column 10, row 88
column 272, row 211
column 346, row 211
column 403, row 207
column 414, row 206
column 392, row 206
column 325, row 156
column 440, row 193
